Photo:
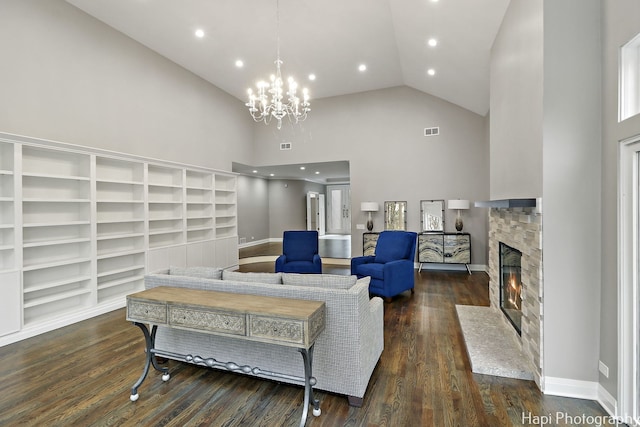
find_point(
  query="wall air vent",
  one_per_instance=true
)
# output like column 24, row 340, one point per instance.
column 285, row 146
column 432, row 131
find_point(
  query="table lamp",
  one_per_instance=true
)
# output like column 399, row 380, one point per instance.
column 369, row 207
column 459, row 205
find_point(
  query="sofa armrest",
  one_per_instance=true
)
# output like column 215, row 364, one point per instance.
column 376, row 308
column 371, row 337
column 317, row 260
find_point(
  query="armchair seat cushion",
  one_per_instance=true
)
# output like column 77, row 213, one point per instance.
column 375, row 271
column 299, row 267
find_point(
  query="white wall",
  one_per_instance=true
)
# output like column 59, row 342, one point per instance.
column 381, row 133
column 288, row 205
column 619, row 25
column 571, row 188
column 516, row 103
column 66, row 76
column 253, row 209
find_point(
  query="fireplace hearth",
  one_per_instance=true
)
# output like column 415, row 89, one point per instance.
column 511, row 285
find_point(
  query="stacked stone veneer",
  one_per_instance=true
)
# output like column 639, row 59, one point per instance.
column 520, row 228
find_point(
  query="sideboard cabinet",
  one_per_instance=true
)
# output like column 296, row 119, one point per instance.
column 444, row 248
column 369, row 241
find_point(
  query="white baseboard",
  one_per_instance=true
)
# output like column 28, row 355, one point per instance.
column 253, row 243
column 607, row 401
column 571, row 388
column 257, row 259
column 62, row 321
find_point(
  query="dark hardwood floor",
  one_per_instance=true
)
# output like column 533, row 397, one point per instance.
column 81, row 375
column 329, row 246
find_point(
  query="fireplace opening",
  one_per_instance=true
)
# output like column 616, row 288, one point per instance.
column 511, row 285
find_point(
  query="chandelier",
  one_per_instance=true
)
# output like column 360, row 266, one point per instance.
column 269, row 101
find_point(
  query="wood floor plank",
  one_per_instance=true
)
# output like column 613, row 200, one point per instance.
column 81, row 375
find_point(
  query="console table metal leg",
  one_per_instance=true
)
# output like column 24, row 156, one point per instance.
column 149, row 340
column 309, row 382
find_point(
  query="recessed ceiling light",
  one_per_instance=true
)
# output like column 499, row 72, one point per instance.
column 433, row 42
column 362, row 67
column 255, row 171
column 239, row 63
column 312, row 77
column 431, row 72
column 302, row 168
column 272, row 174
column 317, row 172
column 199, row 33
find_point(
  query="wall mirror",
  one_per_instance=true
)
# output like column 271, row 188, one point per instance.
column 395, row 215
column 432, row 215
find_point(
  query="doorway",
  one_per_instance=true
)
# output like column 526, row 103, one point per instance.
column 339, row 209
column 629, row 286
column 316, row 212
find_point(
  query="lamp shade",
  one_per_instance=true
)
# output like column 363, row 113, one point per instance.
column 369, row 207
column 458, row 204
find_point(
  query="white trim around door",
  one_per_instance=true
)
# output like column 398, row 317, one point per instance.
column 628, row 286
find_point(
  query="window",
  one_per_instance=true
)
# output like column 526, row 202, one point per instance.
column 629, row 90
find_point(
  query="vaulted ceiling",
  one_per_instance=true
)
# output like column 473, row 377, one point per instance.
column 327, row 38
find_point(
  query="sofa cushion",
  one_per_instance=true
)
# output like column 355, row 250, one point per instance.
column 202, row 272
column 237, row 276
column 333, row 281
column 392, row 246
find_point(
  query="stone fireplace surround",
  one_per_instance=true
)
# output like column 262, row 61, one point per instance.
column 520, row 228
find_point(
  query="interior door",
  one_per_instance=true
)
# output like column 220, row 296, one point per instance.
column 338, row 209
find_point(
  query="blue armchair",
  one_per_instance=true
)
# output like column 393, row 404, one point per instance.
column 299, row 253
column 391, row 268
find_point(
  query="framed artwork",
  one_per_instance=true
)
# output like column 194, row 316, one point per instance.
column 432, row 215
column 395, row 215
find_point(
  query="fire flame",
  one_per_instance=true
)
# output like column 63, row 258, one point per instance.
column 514, row 290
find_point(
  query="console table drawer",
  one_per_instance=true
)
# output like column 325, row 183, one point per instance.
column 290, row 331
column 141, row 311
column 207, row 320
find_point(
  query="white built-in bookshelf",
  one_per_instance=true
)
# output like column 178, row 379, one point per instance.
column 200, row 206
column 120, row 227
column 7, row 208
column 10, row 302
column 80, row 227
column 56, row 232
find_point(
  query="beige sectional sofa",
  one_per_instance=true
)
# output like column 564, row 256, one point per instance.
column 345, row 354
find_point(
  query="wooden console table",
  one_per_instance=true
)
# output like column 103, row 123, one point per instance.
column 279, row 321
